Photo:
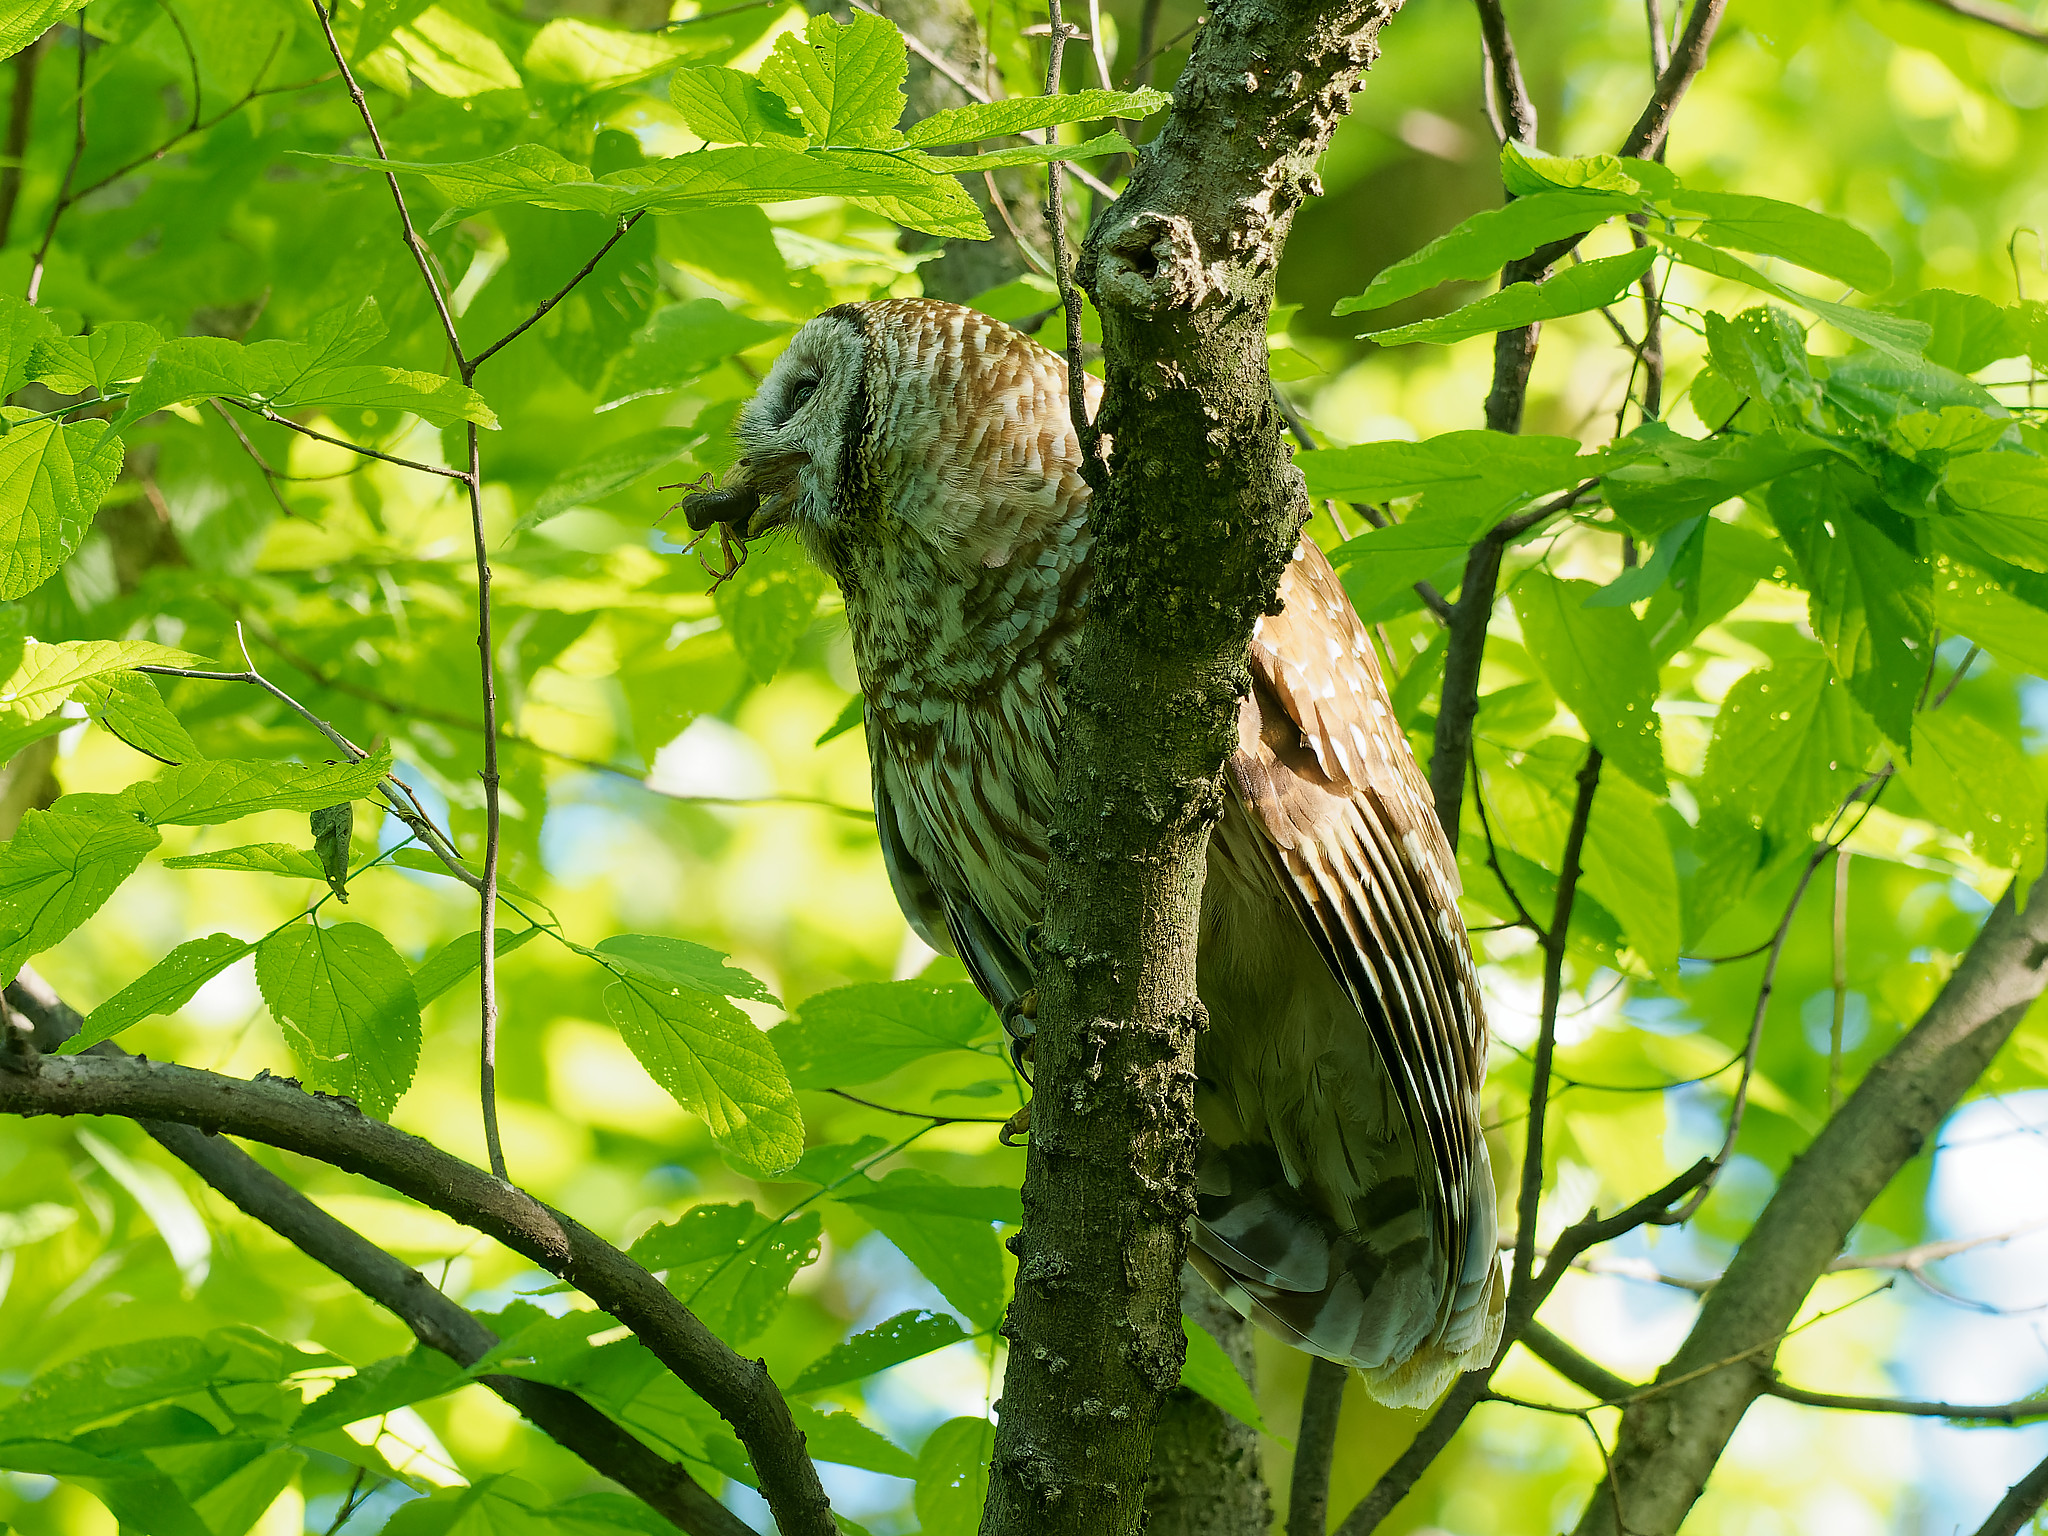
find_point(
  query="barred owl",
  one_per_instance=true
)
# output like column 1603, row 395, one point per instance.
column 925, row 457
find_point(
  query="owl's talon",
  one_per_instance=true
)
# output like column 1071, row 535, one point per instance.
column 1019, row 1014
column 1016, row 1127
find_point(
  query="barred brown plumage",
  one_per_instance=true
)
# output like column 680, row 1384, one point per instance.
column 925, row 457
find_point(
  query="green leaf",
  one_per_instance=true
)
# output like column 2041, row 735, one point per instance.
column 1970, row 604
column 112, row 353
column 937, row 206
column 842, row 1438
column 1488, row 241
column 1871, row 595
column 102, row 1383
column 1683, row 477
column 58, row 869
column 573, row 50
column 906, row 1336
column 1888, row 333
column 1019, row 154
column 679, row 344
column 165, row 987
column 958, row 1254
column 23, row 328
column 205, row 793
column 864, row 1032
column 1478, row 475
column 491, row 1506
column 1762, row 355
column 915, row 1197
column 1970, row 332
column 1630, row 871
column 255, row 858
column 523, row 173
column 33, row 1223
column 729, row 106
column 846, row 82
column 1526, row 173
column 1572, row 291
column 1027, row 114
column 452, row 57
column 1599, row 662
column 333, row 828
column 397, row 1381
column 700, row 1233
column 2003, row 502
column 46, row 674
column 1211, row 1372
column 52, row 479
column 1786, row 748
column 348, row 1010
column 1798, row 235
column 127, row 705
column 952, row 1477
column 610, row 470
column 454, row 961
column 738, row 1300
column 709, row 1056
column 1977, row 782
column 850, row 715
column 23, row 21
column 678, row 963
column 429, row 396
column 767, row 607
column 1641, row 581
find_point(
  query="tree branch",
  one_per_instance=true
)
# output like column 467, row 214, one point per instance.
column 561, row 293
column 1315, row 1447
column 2002, row 17
column 1889, row 1119
column 275, row 1111
column 2017, row 1509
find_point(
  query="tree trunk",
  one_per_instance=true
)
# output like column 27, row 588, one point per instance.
column 1670, row 1441
column 1205, row 1478
column 1193, row 525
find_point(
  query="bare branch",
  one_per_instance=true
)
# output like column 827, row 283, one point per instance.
column 275, row 1111
column 1063, row 259
column 2017, row 1509
column 35, row 271
column 1510, row 91
column 2003, row 17
column 1687, row 60
column 341, row 442
column 1322, row 1405
column 590, row 266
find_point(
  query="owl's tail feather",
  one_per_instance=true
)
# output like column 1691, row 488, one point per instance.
column 1372, row 1297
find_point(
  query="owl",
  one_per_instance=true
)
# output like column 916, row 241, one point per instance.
column 924, row 455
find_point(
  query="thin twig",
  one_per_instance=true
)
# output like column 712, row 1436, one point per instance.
column 919, row 1114
column 2002, row 17
column 21, row 116
column 1062, row 259
column 1840, row 936
column 1687, row 60
column 35, row 271
column 1510, row 91
column 275, row 419
column 618, row 234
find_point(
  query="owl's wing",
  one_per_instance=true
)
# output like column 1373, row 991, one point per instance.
column 1349, row 828
column 952, row 927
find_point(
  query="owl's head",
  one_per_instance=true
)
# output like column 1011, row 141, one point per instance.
column 905, row 425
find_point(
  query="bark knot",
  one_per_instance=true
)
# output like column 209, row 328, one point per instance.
column 1155, row 263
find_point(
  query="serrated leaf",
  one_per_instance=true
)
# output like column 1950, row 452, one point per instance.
column 255, row 858
column 1630, row 871
column 952, row 1477
column 700, row 1233
column 845, row 81
column 1572, row 291
column 679, row 344
column 127, row 705
column 610, row 470
column 2003, row 500
column 739, row 1298
column 1209, row 1371
column 206, row 793
column 456, row 959
column 57, row 870
column 1785, row 230
column 1488, row 241
column 1478, row 475
column 917, row 1197
column 767, row 607
column 104, row 1382
column 1019, row 154
column 1527, row 173
column 906, row 1336
column 53, row 477
column 1870, row 594
column 23, row 21
column 346, row 1003
column 709, row 1056
column 1027, row 114
column 2012, row 630
column 1977, row 782
column 1786, row 748
column 842, row 1438
column 165, row 987
column 678, row 963
column 730, row 106
column 451, row 57
column 110, row 354
column 46, row 674
column 333, row 828
column 574, row 50
column 958, row 1254
column 1970, row 332
column 1889, row 333
column 1599, row 661
column 860, row 1033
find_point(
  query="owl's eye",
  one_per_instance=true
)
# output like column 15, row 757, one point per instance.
column 800, row 396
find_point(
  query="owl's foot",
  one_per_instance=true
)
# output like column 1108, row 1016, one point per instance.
column 1019, row 1015
column 1016, row 1128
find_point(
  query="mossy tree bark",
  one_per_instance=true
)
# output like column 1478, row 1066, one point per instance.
column 1197, row 510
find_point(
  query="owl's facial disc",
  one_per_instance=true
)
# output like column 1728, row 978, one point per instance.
column 795, row 431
